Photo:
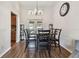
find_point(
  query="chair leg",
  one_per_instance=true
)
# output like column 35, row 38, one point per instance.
column 60, row 53
column 36, row 47
column 55, row 43
column 59, row 46
column 49, row 51
column 26, row 46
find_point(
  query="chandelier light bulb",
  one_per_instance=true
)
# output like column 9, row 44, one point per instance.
column 36, row 11
column 30, row 12
column 40, row 12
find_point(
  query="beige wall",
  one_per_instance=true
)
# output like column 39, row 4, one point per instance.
column 5, row 25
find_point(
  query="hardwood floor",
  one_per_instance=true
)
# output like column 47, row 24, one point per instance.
column 17, row 51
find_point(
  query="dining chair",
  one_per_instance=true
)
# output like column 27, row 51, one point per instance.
column 55, row 38
column 44, row 40
column 51, row 28
column 26, row 37
column 50, row 25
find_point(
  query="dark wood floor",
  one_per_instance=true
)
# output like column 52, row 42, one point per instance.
column 17, row 51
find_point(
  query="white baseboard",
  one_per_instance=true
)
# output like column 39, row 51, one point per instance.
column 5, row 52
column 67, row 49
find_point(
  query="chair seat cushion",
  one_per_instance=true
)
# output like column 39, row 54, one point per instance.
column 43, row 43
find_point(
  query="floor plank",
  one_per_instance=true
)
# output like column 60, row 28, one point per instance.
column 17, row 51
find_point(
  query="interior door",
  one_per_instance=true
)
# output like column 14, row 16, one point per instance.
column 13, row 29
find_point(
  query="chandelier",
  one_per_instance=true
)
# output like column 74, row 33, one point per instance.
column 35, row 11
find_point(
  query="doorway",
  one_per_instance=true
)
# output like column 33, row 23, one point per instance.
column 13, row 29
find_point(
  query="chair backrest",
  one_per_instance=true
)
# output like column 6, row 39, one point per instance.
column 26, row 34
column 43, row 31
column 43, row 34
column 51, row 28
column 57, row 33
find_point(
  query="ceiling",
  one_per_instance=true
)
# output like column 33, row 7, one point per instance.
column 32, row 4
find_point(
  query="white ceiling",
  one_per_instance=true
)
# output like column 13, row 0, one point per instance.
column 32, row 4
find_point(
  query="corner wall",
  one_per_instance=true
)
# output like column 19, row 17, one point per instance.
column 68, row 23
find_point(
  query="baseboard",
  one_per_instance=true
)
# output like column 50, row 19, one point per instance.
column 66, row 49
column 5, row 52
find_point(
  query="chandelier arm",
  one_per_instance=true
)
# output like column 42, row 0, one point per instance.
column 36, row 11
column 37, row 6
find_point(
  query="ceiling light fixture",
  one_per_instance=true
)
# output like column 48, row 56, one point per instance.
column 36, row 11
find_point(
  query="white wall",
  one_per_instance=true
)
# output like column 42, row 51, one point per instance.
column 68, row 23
column 5, row 25
column 46, row 17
